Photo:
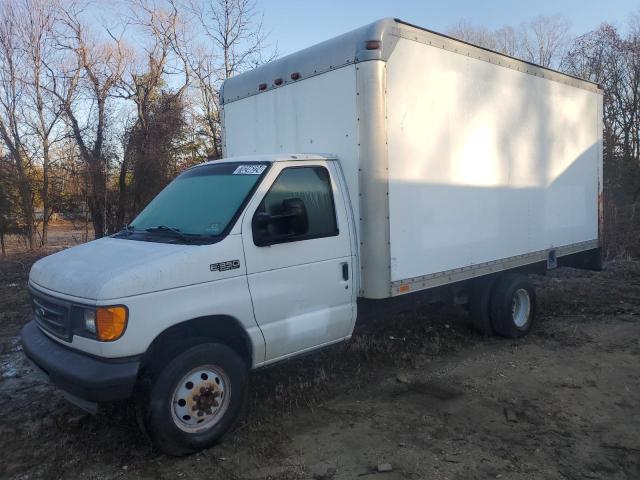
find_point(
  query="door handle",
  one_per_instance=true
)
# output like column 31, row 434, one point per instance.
column 345, row 271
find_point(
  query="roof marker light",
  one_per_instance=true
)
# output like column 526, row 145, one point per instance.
column 373, row 44
column 277, row 81
column 262, row 86
column 295, row 76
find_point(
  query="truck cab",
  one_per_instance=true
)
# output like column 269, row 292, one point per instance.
column 202, row 269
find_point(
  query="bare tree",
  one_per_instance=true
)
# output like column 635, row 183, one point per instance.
column 205, row 72
column 37, row 25
column 612, row 59
column 544, row 40
column 164, row 57
column 632, row 83
column 477, row 35
column 9, row 200
column 235, row 29
column 507, row 41
column 12, row 96
column 164, row 53
column 96, row 69
column 605, row 57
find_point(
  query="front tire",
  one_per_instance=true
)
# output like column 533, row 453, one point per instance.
column 195, row 399
column 513, row 305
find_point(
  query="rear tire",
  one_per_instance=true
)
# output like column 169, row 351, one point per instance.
column 195, row 399
column 479, row 305
column 513, row 305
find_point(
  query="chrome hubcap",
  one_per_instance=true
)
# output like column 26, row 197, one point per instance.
column 521, row 307
column 200, row 399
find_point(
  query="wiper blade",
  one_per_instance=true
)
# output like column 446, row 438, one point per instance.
column 171, row 230
column 126, row 231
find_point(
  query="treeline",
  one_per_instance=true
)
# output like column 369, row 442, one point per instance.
column 101, row 104
column 610, row 57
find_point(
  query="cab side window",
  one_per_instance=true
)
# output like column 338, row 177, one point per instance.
column 298, row 206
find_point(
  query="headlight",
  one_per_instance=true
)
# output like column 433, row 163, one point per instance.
column 90, row 320
column 106, row 323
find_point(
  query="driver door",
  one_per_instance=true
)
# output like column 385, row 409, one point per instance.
column 299, row 273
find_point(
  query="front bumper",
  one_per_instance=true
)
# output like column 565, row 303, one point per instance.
column 78, row 374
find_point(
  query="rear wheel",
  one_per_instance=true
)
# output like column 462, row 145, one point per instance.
column 479, row 305
column 195, row 399
column 513, row 305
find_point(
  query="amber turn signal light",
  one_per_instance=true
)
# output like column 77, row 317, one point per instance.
column 111, row 322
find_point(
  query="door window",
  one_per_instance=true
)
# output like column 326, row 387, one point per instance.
column 298, row 192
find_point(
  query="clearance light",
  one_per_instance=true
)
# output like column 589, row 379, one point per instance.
column 295, row 76
column 373, row 44
column 262, row 86
column 110, row 322
column 277, row 81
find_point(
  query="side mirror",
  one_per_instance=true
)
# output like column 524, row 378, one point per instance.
column 260, row 228
column 261, row 220
column 297, row 215
column 269, row 229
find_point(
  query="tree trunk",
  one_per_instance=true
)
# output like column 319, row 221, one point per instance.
column 122, row 194
column 96, row 209
column 24, row 185
column 46, row 202
column 97, row 219
column 96, row 198
column 26, row 201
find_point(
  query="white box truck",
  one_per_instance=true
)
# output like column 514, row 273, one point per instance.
column 448, row 169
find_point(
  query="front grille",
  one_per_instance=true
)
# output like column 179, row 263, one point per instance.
column 52, row 314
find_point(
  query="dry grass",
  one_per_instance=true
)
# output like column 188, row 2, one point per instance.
column 62, row 234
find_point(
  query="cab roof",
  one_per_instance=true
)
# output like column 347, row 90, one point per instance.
column 271, row 158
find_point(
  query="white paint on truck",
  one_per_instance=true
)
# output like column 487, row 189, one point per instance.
column 297, row 118
column 494, row 162
column 444, row 163
column 300, row 298
column 459, row 161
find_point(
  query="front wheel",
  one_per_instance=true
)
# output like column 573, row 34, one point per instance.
column 513, row 305
column 195, row 399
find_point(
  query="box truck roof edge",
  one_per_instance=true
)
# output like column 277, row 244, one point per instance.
column 375, row 41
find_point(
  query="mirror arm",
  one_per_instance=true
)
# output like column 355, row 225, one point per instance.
column 273, row 239
column 283, row 215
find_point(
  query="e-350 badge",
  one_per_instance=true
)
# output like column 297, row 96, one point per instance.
column 224, row 266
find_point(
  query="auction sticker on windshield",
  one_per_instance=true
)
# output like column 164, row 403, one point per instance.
column 249, row 169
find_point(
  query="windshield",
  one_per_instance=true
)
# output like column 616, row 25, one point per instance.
column 201, row 202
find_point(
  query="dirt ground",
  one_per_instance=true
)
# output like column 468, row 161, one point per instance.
column 419, row 391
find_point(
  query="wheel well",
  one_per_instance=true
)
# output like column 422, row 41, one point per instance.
column 177, row 338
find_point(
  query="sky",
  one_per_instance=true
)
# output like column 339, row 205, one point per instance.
column 296, row 24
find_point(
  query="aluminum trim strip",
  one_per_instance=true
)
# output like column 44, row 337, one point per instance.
column 465, row 273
